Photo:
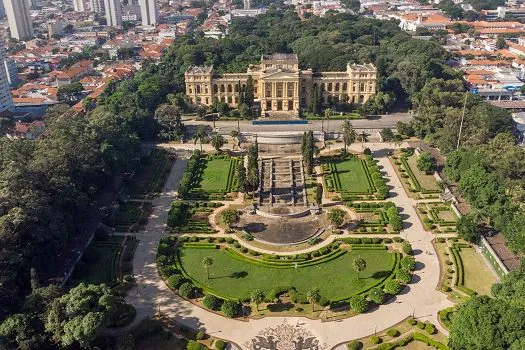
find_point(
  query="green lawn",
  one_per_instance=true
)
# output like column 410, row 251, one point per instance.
column 352, row 175
column 426, row 181
column 336, row 279
column 215, row 175
column 478, row 277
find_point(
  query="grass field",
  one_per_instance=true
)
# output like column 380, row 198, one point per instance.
column 427, row 182
column 352, row 175
column 478, row 277
column 336, row 279
column 215, row 175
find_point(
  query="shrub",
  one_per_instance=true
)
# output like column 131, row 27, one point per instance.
column 229, row 240
column 212, row 302
column 430, row 328
column 366, row 240
column 393, row 332
column 375, row 339
column 412, row 322
column 407, row 248
column 358, row 304
column 221, row 240
column 231, row 308
column 220, row 344
column 175, row 281
column 367, row 152
column 354, row 345
column 421, row 325
column 187, row 290
column 408, row 263
column 403, row 276
column 377, row 295
column 398, row 239
column 392, row 287
column 440, row 240
column 200, row 335
column 194, row 345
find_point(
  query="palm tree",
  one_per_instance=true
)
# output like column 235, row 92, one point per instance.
column 359, row 265
column 313, row 296
column 217, row 141
column 348, row 133
column 200, row 136
column 234, row 135
column 363, row 136
column 257, row 297
column 207, row 262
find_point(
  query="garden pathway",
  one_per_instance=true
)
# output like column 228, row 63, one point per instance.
column 419, row 298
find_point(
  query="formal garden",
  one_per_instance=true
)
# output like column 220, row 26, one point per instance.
column 438, row 217
column 356, row 273
column 129, row 216
column 191, row 217
column 416, row 173
column 376, row 217
column 465, row 273
column 150, row 175
column 209, row 177
column 410, row 334
column 350, row 177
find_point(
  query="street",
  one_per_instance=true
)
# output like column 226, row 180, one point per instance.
column 372, row 124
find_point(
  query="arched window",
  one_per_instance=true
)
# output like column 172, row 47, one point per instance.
column 361, row 99
column 345, row 86
column 336, row 86
column 236, row 88
column 322, row 87
column 215, row 88
column 222, row 87
column 329, row 86
column 229, row 87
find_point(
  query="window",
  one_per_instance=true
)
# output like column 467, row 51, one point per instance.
column 362, row 87
column 222, row 88
column 198, row 89
column 329, row 86
column 215, row 88
column 229, row 87
column 345, row 86
column 336, row 86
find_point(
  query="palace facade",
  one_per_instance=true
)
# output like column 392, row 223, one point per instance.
column 281, row 86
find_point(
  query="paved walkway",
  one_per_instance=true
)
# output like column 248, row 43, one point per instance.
column 420, row 298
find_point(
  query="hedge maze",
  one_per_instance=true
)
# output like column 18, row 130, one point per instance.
column 353, row 177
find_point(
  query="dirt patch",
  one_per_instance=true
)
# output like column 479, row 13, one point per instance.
column 283, row 230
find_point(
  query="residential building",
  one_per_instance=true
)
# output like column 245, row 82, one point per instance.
column 113, row 9
column 281, row 86
column 6, row 101
column 131, row 13
column 79, row 5
column 20, row 23
column 150, row 12
column 97, row 6
column 11, row 71
column 31, row 4
column 2, row 9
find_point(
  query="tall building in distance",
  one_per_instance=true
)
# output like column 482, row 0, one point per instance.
column 150, row 12
column 247, row 4
column 2, row 9
column 20, row 22
column 6, row 101
column 113, row 9
column 97, row 6
column 31, row 4
column 79, row 5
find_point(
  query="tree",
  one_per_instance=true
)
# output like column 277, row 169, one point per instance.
column 241, row 177
column 392, row 287
column 358, row 304
column 319, row 194
column 257, row 297
column 217, row 141
column 426, row 163
column 308, row 150
column 231, row 308
column 328, row 113
column 234, row 134
column 377, row 295
column 249, row 95
column 313, row 296
column 207, row 262
column 200, row 136
column 359, row 265
column 348, row 133
column 363, row 137
column 337, row 216
column 169, row 118
column 244, row 111
column 501, row 43
column 483, row 320
column 467, row 228
column 82, row 313
column 229, row 217
column 387, row 135
column 70, row 93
